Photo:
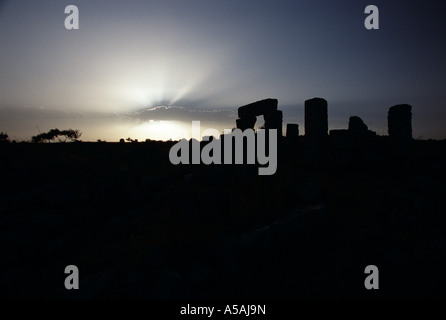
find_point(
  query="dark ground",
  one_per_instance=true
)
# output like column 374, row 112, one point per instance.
column 138, row 227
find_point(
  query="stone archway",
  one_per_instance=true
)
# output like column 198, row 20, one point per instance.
column 268, row 108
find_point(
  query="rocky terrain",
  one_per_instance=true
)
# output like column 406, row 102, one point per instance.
column 137, row 226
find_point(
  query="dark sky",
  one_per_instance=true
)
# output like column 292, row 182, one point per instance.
column 204, row 58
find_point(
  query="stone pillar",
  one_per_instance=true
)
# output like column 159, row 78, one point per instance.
column 316, row 119
column 400, row 122
column 316, row 131
column 273, row 120
column 292, row 131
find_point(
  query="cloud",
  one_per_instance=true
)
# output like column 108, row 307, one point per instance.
column 176, row 113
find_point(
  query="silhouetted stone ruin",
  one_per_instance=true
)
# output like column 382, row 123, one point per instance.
column 292, row 131
column 268, row 108
column 246, row 123
column 316, row 119
column 274, row 120
column 316, row 127
column 316, row 130
column 357, row 134
column 400, row 122
column 258, row 108
column 357, row 127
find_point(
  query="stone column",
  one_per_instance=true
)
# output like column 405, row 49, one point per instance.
column 316, row 119
column 400, row 128
column 400, row 122
column 273, row 120
column 292, row 131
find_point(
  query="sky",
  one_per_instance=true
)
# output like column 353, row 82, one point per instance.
column 147, row 69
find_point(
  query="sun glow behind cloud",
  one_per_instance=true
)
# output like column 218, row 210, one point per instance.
column 160, row 130
column 170, row 130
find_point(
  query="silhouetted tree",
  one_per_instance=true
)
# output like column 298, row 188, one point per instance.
column 58, row 136
column 4, row 137
column 121, row 140
column 132, row 140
